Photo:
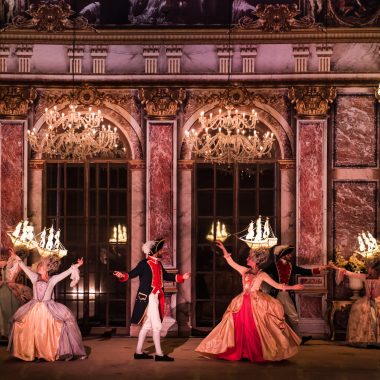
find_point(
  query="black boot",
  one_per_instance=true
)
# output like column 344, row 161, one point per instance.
column 142, row 356
column 305, row 339
column 163, row 358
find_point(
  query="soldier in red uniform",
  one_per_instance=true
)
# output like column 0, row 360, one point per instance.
column 283, row 271
column 150, row 299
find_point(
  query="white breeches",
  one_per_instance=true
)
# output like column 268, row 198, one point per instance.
column 289, row 309
column 153, row 320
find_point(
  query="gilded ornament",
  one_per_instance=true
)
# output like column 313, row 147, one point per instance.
column 161, row 102
column 15, row 101
column 313, row 101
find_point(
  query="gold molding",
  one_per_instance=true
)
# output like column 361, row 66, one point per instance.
column 161, row 102
column 136, row 164
column 186, row 164
column 190, row 36
column 36, row 164
column 312, row 101
column 15, row 101
column 287, row 164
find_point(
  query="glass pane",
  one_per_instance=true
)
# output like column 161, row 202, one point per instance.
column 220, row 308
column 247, row 203
column 224, row 203
column 247, row 176
column 74, row 230
column 205, row 203
column 74, row 177
column 204, row 285
column 204, row 230
column 266, row 206
column 266, row 176
column 224, row 176
column 51, row 179
column 102, row 194
column 75, row 202
column 92, row 199
column 205, row 176
column 205, row 256
column 93, row 176
column 103, row 176
column 118, row 203
column 123, row 175
column 51, row 203
column 114, row 177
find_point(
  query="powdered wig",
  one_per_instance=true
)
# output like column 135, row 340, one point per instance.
column 52, row 263
column 259, row 255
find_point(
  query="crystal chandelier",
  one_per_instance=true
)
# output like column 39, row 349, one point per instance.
column 77, row 135
column 229, row 137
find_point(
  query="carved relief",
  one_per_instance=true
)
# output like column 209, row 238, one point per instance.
column 313, row 101
column 161, row 102
column 50, row 16
column 15, row 101
column 87, row 96
column 276, row 18
column 237, row 96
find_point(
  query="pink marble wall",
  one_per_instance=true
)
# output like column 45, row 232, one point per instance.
column 11, row 179
column 355, row 133
column 310, row 307
column 354, row 211
column 311, row 173
column 160, row 172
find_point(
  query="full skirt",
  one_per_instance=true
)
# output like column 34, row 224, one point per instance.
column 253, row 327
column 364, row 322
column 45, row 330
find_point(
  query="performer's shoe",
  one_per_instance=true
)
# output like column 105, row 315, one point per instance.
column 305, row 339
column 142, row 356
column 163, row 358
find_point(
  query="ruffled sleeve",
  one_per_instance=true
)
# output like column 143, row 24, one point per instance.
column 75, row 276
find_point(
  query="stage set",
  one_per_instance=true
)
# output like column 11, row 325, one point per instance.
column 204, row 171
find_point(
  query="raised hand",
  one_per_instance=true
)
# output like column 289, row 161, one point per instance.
column 119, row 274
column 80, row 262
column 220, row 245
column 186, row 276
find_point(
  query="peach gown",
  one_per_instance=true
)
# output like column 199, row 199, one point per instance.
column 43, row 328
column 277, row 340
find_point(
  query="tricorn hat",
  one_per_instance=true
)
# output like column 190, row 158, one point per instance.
column 283, row 250
column 151, row 247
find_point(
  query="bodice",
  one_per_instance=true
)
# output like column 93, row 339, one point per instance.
column 252, row 282
column 41, row 290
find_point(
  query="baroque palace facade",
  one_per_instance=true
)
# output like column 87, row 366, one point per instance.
column 314, row 85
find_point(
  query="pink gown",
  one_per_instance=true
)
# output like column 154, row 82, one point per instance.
column 253, row 327
column 364, row 321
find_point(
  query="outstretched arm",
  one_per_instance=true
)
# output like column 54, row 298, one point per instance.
column 348, row 273
column 125, row 276
column 229, row 259
column 31, row 275
column 174, row 277
column 59, row 277
column 278, row 286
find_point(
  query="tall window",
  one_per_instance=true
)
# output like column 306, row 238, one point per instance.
column 231, row 195
column 89, row 202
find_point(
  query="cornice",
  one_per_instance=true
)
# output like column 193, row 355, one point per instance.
column 190, row 36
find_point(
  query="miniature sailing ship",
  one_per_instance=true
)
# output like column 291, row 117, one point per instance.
column 257, row 235
column 119, row 235
column 220, row 233
column 48, row 243
column 23, row 236
column 368, row 245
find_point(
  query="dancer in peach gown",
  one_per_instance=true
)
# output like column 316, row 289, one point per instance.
column 43, row 328
column 253, row 326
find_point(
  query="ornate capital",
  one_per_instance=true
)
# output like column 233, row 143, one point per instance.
column 50, row 16
column 186, row 164
column 277, row 18
column 136, row 164
column 161, row 102
column 287, row 164
column 15, row 101
column 36, row 164
column 313, row 101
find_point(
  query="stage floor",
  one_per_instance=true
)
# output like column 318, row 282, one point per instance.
column 113, row 359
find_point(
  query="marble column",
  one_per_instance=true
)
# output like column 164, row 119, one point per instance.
column 161, row 106
column 311, row 104
column 185, row 177
column 288, row 201
column 12, row 176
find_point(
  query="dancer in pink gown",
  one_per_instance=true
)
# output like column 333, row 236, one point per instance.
column 253, row 326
